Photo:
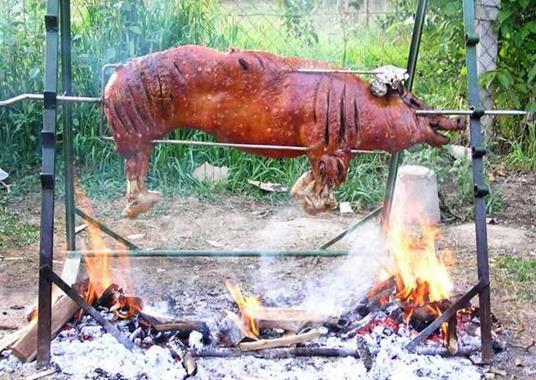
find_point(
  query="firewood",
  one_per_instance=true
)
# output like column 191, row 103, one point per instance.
column 63, row 310
column 190, row 365
column 7, row 341
column 289, row 319
column 69, row 274
column 234, row 331
column 279, row 342
column 452, row 336
column 183, row 327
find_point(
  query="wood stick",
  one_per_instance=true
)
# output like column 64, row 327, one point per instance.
column 290, row 319
column 63, row 310
column 279, row 342
column 181, row 326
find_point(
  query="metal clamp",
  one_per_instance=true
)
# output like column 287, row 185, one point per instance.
column 50, row 100
column 471, row 39
column 477, row 113
column 51, row 23
column 478, row 151
column 481, row 191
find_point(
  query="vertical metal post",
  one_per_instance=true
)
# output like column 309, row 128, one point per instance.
column 48, row 166
column 396, row 158
column 66, row 74
column 480, row 187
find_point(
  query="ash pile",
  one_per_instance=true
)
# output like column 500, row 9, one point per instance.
column 258, row 338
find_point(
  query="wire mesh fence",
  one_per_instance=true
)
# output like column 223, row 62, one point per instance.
column 343, row 32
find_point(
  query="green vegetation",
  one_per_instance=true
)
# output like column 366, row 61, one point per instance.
column 114, row 31
column 518, row 274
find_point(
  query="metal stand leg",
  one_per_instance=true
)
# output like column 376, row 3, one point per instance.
column 480, row 187
column 48, row 166
column 396, row 158
column 67, row 123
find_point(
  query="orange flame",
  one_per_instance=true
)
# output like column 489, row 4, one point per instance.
column 99, row 268
column 420, row 274
column 248, row 306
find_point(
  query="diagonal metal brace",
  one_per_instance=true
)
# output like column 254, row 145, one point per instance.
column 105, row 229
column 51, row 276
column 447, row 314
column 352, row 227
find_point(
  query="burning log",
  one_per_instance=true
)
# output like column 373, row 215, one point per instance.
column 289, row 319
column 234, row 331
column 279, row 342
column 127, row 306
column 63, row 310
column 182, row 329
column 256, row 316
column 109, row 297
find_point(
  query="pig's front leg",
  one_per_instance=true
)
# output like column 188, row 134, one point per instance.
column 314, row 189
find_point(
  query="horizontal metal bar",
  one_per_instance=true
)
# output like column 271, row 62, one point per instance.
column 210, row 253
column 447, row 314
column 470, row 112
column 60, row 98
column 254, row 146
column 121, row 338
column 85, row 99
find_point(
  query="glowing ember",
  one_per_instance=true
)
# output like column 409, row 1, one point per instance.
column 248, row 305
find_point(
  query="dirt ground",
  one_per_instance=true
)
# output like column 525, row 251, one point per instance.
column 188, row 223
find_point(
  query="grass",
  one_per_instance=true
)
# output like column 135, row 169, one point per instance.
column 517, row 274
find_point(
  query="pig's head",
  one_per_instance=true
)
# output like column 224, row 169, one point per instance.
column 429, row 126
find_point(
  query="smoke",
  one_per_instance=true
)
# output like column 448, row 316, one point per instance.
column 347, row 281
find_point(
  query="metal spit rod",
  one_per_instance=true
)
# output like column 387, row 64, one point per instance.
column 86, row 99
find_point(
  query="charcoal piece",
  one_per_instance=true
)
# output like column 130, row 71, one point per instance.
column 364, row 352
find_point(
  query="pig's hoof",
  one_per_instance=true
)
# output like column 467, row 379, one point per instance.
column 311, row 196
column 141, row 203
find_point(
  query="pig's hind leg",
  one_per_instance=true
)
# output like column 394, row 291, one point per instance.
column 139, row 199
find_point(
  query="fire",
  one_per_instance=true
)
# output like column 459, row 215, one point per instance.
column 99, row 268
column 248, row 305
column 421, row 275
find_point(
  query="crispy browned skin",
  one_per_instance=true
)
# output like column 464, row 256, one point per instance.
column 258, row 98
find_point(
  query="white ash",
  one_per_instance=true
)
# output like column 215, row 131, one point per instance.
column 195, row 340
column 104, row 354
column 392, row 362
